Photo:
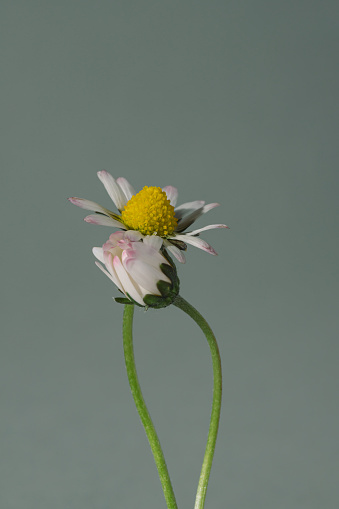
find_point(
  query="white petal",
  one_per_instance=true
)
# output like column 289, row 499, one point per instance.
column 144, row 274
column 114, row 191
column 197, row 242
column 109, row 257
column 126, row 187
column 188, row 208
column 172, row 194
column 191, row 218
column 209, row 227
column 99, row 254
column 104, row 221
column 186, row 221
column 209, row 207
column 89, row 205
column 175, row 251
column 154, row 241
column 133, row 235
column 108, row 260
column 113, row 279
column 129, row 285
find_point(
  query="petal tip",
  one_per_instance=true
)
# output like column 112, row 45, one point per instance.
column 116, row 260
column 103, row 175
column 73, row 200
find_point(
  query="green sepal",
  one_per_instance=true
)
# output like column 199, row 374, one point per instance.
column 171, row 273
column 122, row 300
column 133, row 301
column 154, row 301
column 164, row 288
column 129, row 300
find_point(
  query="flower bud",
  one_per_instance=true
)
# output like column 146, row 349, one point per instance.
column 144, row 273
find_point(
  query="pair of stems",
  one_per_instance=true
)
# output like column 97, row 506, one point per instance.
column 146, row 418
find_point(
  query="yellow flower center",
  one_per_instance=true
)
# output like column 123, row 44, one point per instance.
column 150, row 212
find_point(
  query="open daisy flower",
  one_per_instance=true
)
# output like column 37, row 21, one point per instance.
column 151, row 212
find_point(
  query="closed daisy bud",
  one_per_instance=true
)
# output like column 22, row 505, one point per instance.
column 139, row 269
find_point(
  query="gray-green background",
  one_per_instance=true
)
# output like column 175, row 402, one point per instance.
column 230, row 101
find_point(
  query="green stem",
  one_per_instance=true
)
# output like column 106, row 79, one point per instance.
column 142, row 409
column 216, row 405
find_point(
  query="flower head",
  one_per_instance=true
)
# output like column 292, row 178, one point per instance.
column 138, row 269
column 151, row 211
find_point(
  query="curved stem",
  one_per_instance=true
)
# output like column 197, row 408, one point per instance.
column 142, row 409
column 216, row 405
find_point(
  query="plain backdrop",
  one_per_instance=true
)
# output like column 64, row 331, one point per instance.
column 232, row 102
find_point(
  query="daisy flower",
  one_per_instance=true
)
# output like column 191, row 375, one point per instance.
column 138, row 269
column 151, row 212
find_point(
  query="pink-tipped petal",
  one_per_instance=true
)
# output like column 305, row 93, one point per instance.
column 172, row 194
column 104, row 221
column 89, row 205
column 126, row 187
column 209, row 227
column 113, row 189
column 115, row 237
column 128, row 284
column 197, row 242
